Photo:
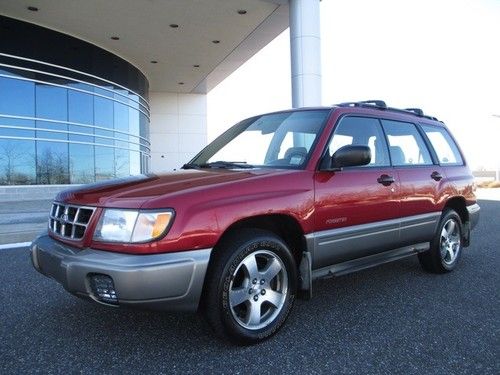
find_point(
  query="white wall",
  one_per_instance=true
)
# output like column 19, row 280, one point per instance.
column 178, row 128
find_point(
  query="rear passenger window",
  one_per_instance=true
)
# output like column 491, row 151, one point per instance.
column 446, row 150
column 406, row 145
column 361, row 131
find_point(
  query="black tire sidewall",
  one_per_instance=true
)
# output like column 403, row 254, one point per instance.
column 234, row 329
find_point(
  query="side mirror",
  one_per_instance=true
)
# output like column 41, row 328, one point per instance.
column 350, row 156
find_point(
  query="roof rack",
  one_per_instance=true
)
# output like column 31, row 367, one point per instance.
column 380, row 104
column 365, row 103
column 417, row 111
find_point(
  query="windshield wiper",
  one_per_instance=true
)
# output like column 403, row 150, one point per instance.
column 190, row 166
column 226, row 164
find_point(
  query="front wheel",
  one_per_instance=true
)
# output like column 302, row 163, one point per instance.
column 446, row 247
column 250, row 287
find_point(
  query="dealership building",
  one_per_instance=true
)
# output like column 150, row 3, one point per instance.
column 92, row 90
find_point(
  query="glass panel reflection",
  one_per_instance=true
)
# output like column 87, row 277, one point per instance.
column 52, row 163
column 17, row 162
column 122, row 163
column 67, row 149
column 51, row 102
column 17, row 97
column 104, row 163
column 81, row 164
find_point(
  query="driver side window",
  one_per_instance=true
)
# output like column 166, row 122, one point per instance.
column 361, row 131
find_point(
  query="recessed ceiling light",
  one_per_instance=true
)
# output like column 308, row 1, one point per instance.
column 181, row 83
column 196, row 65
column 174, row 25
column 115, row 37
column 242, row 11
column 215, row 41
column 33, row 9
column 154, row 62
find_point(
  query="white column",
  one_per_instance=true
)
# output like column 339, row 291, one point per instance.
column 305, row 52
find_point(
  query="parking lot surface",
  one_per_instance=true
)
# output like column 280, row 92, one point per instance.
column 392, row 319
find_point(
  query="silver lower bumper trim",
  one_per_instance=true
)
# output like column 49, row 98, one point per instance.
column 169, row 281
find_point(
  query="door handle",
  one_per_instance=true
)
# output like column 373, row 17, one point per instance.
column 436, row 176
column 386, row 180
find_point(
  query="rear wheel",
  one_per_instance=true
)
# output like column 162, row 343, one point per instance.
column 250, row 287
column 446, row 247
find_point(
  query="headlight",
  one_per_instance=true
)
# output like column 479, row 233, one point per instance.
column 132, row 226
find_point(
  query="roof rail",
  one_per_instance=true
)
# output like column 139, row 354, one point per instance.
column 380, row 104
column 417, row 111
column 365, row 103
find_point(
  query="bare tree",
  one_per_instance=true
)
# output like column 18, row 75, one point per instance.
column 11, row 157
column 52, row 168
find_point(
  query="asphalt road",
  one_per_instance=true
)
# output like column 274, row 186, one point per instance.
column 390, row 319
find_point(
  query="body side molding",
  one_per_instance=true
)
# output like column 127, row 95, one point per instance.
column 339, row 245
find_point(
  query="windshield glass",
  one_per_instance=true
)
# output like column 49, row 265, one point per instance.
column 280, row 140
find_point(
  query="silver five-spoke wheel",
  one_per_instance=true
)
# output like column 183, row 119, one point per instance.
column 258, row 289
column 450, row 241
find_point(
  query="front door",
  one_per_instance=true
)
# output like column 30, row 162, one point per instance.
column 356, row 209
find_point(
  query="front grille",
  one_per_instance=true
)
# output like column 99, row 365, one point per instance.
column 69, row 221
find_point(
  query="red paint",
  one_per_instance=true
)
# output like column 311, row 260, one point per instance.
column 207, row 202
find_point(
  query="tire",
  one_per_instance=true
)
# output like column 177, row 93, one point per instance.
column 446, row 246
column 239, row 302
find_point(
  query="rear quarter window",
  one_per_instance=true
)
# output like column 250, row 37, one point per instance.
column 406, row 145
column 444, row 146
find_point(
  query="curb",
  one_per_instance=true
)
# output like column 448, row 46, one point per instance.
column 14, row 245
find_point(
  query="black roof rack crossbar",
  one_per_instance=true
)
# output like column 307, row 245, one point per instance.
column 417, row 111
column 380, row 104
column 365, row 103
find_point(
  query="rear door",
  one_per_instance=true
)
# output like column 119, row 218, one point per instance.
column 421, row 181
column 356, row 209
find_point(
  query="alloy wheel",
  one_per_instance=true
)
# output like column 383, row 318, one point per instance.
column 258, row 289
column 450, row 241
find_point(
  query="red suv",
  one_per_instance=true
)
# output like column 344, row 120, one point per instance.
column 275, row 202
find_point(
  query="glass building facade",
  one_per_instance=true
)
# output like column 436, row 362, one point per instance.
column 70, row 112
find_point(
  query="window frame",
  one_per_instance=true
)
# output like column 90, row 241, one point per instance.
column 427, row 145
column 434, row 152
column 320, row 166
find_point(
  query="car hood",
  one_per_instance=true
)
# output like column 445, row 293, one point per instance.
column 133, row 192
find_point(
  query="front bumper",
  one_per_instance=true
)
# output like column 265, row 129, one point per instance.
column 170, row 281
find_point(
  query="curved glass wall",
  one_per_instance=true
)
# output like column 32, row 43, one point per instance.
column 59, row 125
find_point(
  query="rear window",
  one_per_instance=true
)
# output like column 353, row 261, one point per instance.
column 446, row 149
column 406, row 145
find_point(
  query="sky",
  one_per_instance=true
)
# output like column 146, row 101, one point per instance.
column 439, row 55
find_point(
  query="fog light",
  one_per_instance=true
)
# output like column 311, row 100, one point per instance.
column 103, row 288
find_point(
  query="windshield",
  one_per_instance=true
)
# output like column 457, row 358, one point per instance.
column 280, row 140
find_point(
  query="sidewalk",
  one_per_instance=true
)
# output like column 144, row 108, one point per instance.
column 488, row 194
column 22, row 221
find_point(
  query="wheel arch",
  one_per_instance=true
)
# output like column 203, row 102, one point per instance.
column 284, row 226
column 458, row 205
